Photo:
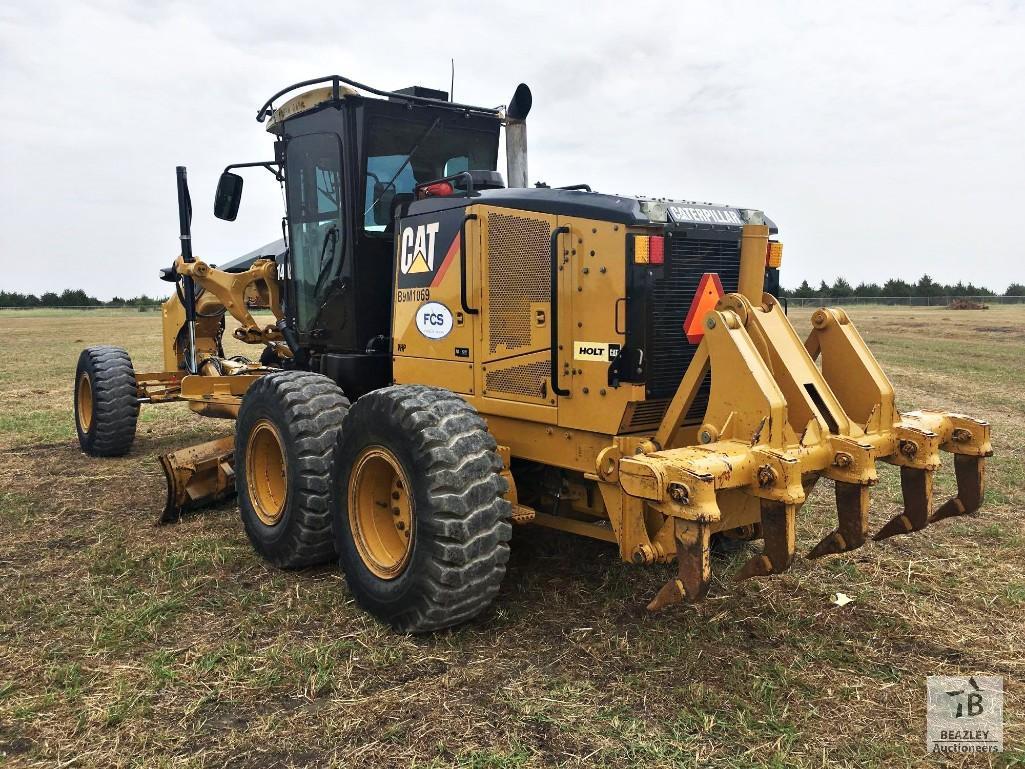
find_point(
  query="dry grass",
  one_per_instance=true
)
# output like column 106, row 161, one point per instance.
column 125, row 644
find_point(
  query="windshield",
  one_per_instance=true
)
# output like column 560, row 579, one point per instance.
column 443, row 151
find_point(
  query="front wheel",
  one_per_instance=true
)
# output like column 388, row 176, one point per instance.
column 106, row 401
column 284, row 438
column 420, row 519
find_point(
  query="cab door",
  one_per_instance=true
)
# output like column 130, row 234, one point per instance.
column 317, row 244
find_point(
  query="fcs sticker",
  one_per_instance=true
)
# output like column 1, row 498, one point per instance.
column 599, row 351
column 434, row 320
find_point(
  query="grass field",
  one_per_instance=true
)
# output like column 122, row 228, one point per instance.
column 125, row 644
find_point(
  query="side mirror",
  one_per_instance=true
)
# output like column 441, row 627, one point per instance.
column 229, row 195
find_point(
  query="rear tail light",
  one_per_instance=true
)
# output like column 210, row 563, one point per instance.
column 774, row 254
column 656, row 249
column 649, row 249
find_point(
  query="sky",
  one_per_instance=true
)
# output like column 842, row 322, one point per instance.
column 885, row 139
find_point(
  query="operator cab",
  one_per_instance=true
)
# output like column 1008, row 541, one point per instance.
column 349, row 164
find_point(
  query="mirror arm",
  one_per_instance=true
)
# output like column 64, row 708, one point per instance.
column 270, row 165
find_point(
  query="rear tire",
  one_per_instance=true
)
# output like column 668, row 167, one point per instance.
column 423, row 464
column 106, row 401
column 284, row 438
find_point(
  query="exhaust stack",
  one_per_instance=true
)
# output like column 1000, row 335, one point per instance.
column 516, row 136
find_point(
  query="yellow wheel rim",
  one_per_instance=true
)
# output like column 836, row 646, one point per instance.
column 381, row 512
column 266, row 468
column 84, row 395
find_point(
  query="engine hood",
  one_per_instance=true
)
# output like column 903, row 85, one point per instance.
column 628, row 210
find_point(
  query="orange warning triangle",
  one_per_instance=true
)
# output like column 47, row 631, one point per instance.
column 705, row 298
column 419, row 264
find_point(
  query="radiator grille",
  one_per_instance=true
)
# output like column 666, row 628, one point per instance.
column 519, row 274
column 687, row 259
column 527, row 379
column 643, row 415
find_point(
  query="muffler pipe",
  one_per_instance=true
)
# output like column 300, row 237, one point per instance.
column 516, row 136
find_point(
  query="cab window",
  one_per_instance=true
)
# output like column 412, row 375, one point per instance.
column 314, row 181
column 394, row 168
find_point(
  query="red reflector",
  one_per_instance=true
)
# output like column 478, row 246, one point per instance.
column 705, row 299
column 656, row 249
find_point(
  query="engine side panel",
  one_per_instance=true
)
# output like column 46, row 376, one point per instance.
column 434, row 340
column 506, row 343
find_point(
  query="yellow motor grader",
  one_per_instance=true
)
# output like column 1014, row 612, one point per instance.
column 451, row 356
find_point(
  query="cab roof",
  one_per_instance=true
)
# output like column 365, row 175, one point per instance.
column 305, row 102
column 336, row 88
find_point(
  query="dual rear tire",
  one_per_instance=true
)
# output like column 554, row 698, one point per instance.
column 422, row 525
column 284, row 439
column 403, row 486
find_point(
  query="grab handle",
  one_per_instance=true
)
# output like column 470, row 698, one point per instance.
column 555, row 309
column 462, row 265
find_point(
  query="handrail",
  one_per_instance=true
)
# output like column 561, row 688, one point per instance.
column 462, row 266
column 336, row 80
column 555, row 310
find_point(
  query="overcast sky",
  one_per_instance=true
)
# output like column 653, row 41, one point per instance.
column 884, row 139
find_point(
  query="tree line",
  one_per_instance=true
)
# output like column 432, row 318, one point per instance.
column 895, row 287
column 840, row 288
column 72, row 298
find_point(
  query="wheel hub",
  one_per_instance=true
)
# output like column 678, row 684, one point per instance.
column 84, row 396
column 381, row 512
column 266, row 472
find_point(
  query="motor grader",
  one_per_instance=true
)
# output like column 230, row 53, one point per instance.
column 450, row 357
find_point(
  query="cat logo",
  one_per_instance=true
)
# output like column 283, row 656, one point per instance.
column 417, row 249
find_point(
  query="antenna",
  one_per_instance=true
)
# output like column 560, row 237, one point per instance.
column 452, row 85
